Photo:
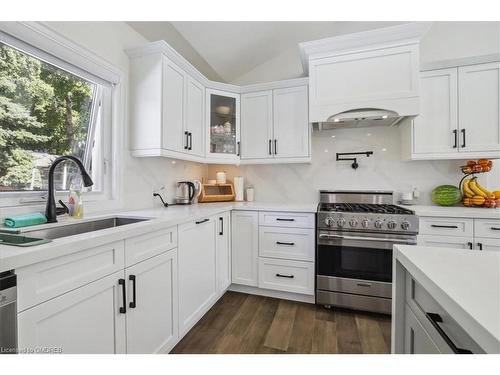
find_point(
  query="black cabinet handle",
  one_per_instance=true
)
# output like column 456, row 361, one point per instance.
column 190, row 138
column 202, row 221
column 123, row 309
column 186, row 145
column 463, row 137
column 221, row 232
column 238, row 151
column 444, row 226
column 270, row 147
column 480, row 245
column 285, row 276
column 494, row 228
column 470, row 245
column 275, row 147
column 279, row 219
column 455, row 132
column 133, row 304
column 435, row 319
column 285, row 243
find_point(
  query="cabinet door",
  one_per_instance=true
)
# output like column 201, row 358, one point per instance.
column 445, row 241
column 197, row 271
column 195, row 116
column 223, row 242
column 223, row 125
column 487, row 244
column 245, row 247
column 152, row 316
column 417, row 340
column 291, row 122
column 435, row 129
column 86, row 320
column 257, row 125
column 479, row 106
column 174, row 84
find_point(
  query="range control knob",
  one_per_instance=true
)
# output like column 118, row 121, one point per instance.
column 365, row 223
column 340, row 223
column 391, row 224
column 329, row 221
column 378, row 224
column 353, row 222
column 405, row 225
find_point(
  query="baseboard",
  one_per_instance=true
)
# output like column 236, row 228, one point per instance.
column 272, row 293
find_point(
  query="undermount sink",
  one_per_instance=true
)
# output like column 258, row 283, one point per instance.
column 79, row 228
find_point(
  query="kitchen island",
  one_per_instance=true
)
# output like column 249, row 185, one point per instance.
column 445, row 300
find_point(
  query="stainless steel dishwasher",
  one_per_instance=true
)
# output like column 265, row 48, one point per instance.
column 8, row 313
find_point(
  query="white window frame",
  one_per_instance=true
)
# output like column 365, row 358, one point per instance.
column 59, row 51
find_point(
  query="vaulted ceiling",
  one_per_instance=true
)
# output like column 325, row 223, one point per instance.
column 230, row 50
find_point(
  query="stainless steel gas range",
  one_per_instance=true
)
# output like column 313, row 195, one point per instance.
column 355, row 234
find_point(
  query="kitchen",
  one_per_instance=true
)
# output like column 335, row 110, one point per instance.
column 294, row 202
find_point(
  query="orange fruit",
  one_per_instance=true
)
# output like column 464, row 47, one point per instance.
column 496, row 193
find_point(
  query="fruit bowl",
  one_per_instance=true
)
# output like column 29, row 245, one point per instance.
column 475, row 195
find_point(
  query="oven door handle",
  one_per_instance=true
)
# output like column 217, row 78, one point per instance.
column 336, row 236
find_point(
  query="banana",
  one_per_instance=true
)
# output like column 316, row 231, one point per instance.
column 466, row 188
column 484, row 190
column 475, row 189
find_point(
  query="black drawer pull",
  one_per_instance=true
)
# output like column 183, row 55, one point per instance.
column 123, row 309
column 133, row 304
column 238, row 151
column 221, row 232
column 480, row 245
column 285, row 243
column 285, row 276
column 186, row 145
column 270, row 147
column 470, row 244
column 444, row 226
column 435, row 319
column 279, row 219
column 455, row 132
column 494, row 228
column 190, row 138
column 275, row 147
column 463, row 135
column 202, row 221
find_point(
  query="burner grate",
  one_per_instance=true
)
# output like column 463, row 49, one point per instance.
column 365, row 208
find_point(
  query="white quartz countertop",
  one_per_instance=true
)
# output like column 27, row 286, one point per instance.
column 465, row 283
column 467, row 212
column 12, row 257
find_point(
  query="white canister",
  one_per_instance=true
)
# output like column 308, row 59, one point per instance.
column 250, row 194
column 220, row 177
column 238, row 188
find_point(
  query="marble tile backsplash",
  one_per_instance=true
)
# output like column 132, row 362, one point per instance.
column 384, row 170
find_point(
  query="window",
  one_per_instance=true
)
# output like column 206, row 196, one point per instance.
column 46, row 112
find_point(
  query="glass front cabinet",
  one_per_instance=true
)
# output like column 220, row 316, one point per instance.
column 223, row 120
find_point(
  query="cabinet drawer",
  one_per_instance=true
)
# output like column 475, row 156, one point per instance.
column 286, row 243
column 441, row 226
column 487, row 228
column 423, row 304
column 287, row 219
column 454, row 242
column 42, row 281
column 148, row 245
column 286, row 275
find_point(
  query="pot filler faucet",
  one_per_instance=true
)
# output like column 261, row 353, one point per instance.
column 50, row 209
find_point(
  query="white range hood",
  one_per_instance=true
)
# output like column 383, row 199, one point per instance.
column 364, row 79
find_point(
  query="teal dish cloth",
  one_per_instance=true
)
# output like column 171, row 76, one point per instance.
column 25, row 220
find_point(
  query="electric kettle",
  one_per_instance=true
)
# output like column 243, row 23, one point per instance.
column 185, row 192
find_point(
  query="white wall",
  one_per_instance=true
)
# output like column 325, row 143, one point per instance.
column 384, row 170
column 138, row 176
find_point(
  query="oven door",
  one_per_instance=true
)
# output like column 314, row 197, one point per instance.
column 362, row 256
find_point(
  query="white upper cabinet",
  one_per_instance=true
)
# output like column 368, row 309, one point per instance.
column 223, row 126
column 479, row 106
column 435, row 129
column 291, row 122
column 257, row 125
column 195, row 117
column 174, row 86
column 459, row 114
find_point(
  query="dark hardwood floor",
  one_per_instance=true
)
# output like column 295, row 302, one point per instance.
column 241, row 323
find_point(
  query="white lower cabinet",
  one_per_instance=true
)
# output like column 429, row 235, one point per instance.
column 197, row 271
column 487, row 244
column 286, row 275
column 223, row 248
column 446, row 241
column 245, row 247
column 417, row 340
column 152, row 315
column 86, row 320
